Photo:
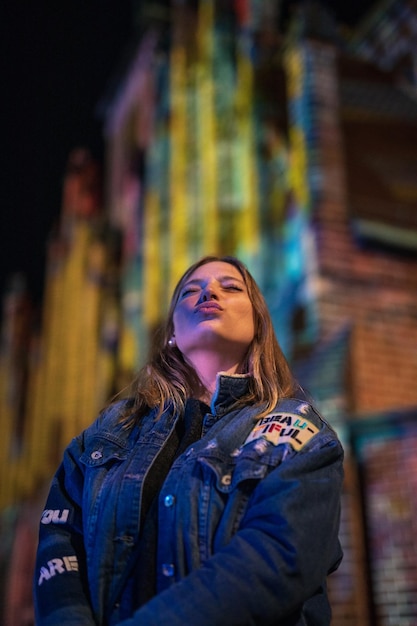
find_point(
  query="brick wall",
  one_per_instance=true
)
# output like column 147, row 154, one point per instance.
column 375, row 290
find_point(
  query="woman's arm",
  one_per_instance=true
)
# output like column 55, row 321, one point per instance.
column 279, row 558
column 60, row 585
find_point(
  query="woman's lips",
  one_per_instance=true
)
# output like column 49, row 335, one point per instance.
column 207, row 307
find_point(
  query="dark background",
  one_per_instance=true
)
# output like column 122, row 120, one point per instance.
column 58, row 59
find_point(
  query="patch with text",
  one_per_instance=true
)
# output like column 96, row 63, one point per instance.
column 283, row 428
column 55, row 567
column 51, row 516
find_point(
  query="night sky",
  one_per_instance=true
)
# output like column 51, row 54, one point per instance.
column 58, row 59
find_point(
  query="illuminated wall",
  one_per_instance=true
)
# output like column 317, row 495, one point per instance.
column 55, row 378
column 220, row 171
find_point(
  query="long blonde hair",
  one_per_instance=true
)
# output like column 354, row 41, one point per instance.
column 167, row 379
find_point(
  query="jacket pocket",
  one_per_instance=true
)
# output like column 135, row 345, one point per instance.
column 224, row 497
column 228, row 476
column 230, row 481
column 250, row 463
column 100, row 451
column 101, row 458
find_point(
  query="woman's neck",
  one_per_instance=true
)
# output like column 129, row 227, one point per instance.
column 207, row 367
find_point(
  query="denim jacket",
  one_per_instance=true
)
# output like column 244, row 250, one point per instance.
column 248, row 520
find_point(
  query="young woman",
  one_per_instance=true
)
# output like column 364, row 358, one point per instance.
column 212, row 496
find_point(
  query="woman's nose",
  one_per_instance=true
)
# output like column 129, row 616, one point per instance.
column 208, row 293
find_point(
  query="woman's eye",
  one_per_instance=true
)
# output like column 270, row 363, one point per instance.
column 188, row 291
column 233, row 287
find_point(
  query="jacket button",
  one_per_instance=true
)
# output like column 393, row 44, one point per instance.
column 168, row 569
column 226, row 479
column 96, row 455
column 169, row 500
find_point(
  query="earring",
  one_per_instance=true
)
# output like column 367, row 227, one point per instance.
column 172, row 343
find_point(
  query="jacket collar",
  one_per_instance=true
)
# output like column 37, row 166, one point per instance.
column 229, row 388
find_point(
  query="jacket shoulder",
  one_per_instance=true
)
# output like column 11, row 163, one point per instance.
column 303, row 409
column 110, row 419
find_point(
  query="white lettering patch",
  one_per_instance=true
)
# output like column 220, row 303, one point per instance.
column 50, row 516
column 57, row 566
column 284, row 428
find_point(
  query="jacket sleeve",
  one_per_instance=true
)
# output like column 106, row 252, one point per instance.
column 279, row 558
column 60, row 574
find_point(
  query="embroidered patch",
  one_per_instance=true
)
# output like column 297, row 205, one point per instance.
column 284, row 428
column 57, row 566
column 57, row 516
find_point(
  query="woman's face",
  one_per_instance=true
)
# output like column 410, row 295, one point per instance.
column 214, row 312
